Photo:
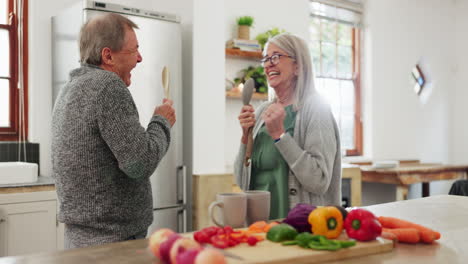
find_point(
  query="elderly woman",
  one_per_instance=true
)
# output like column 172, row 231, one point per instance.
column 296, row 151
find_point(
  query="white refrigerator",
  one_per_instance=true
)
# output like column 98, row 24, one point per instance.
column 159, row 37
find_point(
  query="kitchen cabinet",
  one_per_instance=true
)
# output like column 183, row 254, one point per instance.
column 28, row 223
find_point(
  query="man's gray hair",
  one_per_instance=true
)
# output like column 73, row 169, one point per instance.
column 297, row 48
column 100, row 32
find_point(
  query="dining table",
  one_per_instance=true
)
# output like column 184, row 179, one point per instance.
column 447, row 214
column 405, row 174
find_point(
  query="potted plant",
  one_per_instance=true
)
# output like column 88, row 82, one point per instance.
column 265, row 36
column 244, row 23
column 256, row 73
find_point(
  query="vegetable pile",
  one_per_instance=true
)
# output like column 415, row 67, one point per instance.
column 326, row 224
column 225, row 237
column 306, row 226
column 406, row 231
column 359, row 224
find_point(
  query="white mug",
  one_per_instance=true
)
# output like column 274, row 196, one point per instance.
column 258, row 206
column 233, row 208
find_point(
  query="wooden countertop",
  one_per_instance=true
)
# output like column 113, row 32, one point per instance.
column 42, row 184
column 421, row 168
column 444, row 213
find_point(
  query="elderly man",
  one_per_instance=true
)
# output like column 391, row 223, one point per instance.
column 102, row 156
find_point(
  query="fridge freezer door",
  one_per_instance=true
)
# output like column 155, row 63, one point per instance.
column 160, row 45
column 173, row 218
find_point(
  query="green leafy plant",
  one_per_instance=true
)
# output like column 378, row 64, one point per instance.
column 256, row 73
column 245, row 21
column 262, row 38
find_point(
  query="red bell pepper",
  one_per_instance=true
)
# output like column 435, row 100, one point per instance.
column 362, row 225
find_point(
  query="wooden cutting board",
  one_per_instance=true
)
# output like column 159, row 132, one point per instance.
column 267, row 252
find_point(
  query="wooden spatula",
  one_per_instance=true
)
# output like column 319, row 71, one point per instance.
column 165, row 81
column 247, row 92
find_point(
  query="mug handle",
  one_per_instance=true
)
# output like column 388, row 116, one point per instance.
column 211, row 211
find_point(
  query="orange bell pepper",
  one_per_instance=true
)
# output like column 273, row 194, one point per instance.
column 326, row 221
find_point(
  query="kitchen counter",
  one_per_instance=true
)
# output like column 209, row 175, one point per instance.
column 43, row 183
column 444, row 213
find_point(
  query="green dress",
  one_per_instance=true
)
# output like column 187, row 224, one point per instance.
column 269, row 169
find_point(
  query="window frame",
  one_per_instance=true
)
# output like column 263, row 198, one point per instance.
column 356, row 44
column 356, row 78
column 12, row 132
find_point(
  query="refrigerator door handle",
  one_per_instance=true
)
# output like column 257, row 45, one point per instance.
column 182, row 190
column 182, row 220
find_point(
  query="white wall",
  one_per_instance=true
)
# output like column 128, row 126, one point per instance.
column 459, row 132
column 398, row 34
column 291, row 16
column 208, row 80
column 402, row 32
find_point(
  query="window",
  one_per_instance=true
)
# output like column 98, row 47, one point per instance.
column 13, row 70
column 335, row 50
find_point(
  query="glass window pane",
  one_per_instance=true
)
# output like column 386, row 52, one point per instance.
column 347, row 97
column 345, row 60
column 318, row 8
column 314, row 28
column 4, row 103
column 344, row 35
column 4, row 53
column 328, row 30
column 347, row 131
column 315, row 54
column 328, row 59
column 330, row 90
column 3, row 11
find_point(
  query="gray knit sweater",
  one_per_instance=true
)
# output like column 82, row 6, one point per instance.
column 312, row 153
column 102, row 158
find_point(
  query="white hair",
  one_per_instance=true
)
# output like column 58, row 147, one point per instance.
column 296, row 47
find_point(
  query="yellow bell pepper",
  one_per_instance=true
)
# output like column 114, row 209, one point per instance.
column 326, row 221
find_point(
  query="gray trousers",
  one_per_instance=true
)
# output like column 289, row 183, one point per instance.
column 69, row 245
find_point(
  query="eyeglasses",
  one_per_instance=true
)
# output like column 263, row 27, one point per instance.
column 274, row 59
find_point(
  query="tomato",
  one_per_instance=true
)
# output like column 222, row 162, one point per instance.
column 211, row 230
column 201, row 237
column 228, row 230
column 252, row 240
column 219, row 242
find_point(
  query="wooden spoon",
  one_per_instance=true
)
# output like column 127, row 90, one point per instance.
column 165, row 81
column 247, row 92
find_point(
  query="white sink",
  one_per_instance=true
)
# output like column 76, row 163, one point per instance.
column 18, row 172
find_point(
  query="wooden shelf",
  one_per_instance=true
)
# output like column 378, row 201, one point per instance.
column 252, row 55
column 238, row 95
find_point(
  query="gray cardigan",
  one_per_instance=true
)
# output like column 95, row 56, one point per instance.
column 313, row 155
column 102, row 158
